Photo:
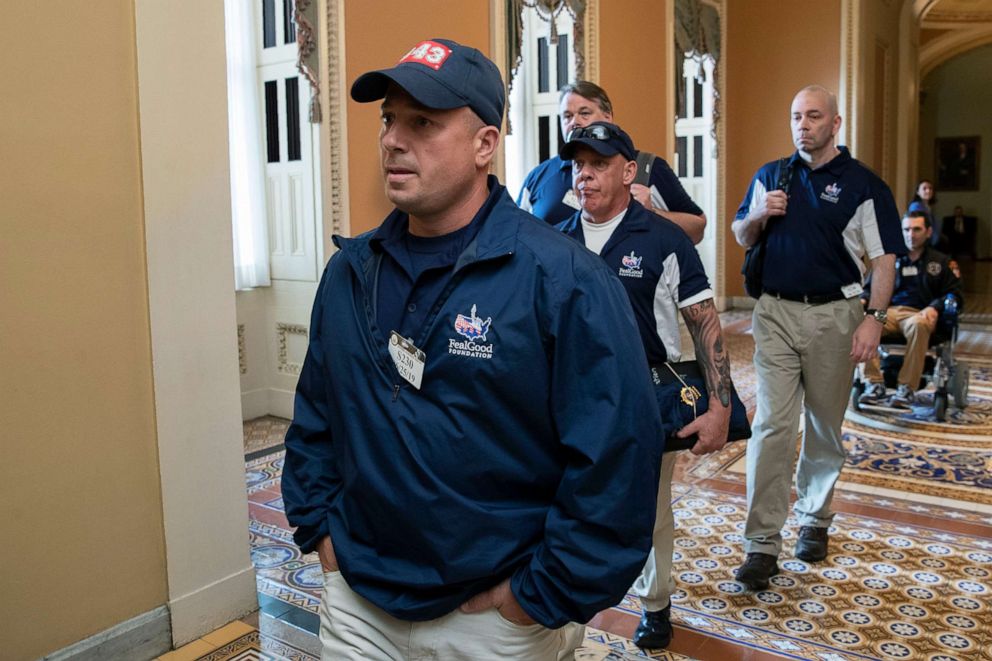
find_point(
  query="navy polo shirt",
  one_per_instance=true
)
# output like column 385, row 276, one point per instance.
column 660, row 270
column 908, row 291
column 837, row 215
column 414, row 270
column 546, row 187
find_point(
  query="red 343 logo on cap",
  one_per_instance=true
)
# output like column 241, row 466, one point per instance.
column 429, row 53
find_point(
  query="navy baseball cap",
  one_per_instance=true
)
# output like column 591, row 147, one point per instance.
column 604, row 138
column 441, row 74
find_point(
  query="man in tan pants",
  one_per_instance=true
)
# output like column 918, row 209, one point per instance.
column 663, row 277
column 475, row 444
column 819, row 213
column 924, row 278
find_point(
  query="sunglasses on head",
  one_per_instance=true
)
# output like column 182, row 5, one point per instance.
column 596, row 132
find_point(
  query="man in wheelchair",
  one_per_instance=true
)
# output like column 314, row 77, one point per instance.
column 926, row 283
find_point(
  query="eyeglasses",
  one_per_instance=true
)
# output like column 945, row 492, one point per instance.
column 596, row 132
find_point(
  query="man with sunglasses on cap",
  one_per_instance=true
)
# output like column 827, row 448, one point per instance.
column 469, row 496
column 547, row 191
column 662, row 275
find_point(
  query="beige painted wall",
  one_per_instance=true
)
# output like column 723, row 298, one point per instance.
column 878, row 96
column 83, row 541
column 633, row 67
column 187, row 201
column 376, row 39
column 760, row 84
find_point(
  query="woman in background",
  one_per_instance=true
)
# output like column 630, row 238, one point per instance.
column 923, row 200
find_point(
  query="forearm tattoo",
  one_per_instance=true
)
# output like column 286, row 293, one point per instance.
column 704, row 327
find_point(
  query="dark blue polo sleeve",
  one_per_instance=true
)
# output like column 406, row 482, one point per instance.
column 525, row 198
column 598, row 529
column 675, row 197
column 309, row 476
column 887, row 220
column 760, row 184
column 693, row 285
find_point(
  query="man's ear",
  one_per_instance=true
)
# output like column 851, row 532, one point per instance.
column 485, row 144
column 629, row 172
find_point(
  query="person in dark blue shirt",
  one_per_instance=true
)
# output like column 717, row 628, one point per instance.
column 461, row 487
column 663, row 276
column 923, row 279
column 547, row 191
column 820, row 214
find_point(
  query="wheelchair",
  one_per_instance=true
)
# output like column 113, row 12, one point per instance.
column 948, row 375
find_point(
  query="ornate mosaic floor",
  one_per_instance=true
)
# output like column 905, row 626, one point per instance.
column 256, row 646
column 263, row 434
column 909, row 575
column 887, row 590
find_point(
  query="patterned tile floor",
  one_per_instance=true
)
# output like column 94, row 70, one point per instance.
column 909, row 575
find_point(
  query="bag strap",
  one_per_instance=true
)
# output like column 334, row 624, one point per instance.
column 645, row 160
column 783, row 177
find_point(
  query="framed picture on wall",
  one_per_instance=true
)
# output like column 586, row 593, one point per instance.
column 957, row 161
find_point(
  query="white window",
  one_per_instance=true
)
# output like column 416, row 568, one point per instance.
column 544, row 68
column 695, row 163
column 289, row 146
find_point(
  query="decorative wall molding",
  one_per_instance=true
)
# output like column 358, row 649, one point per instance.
column 883, row 104
column 336, row 191
column 283, row 331
column 722, row 233
column 590, row 24
column 850, row 72
column 242, row 359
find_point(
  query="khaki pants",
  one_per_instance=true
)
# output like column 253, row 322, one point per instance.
column 655, row 585
column 351, row 627
column 802, row 357
column 905, row 322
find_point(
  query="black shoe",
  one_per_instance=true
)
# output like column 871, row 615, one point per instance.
column 655, row 629
column 812, row 544
column 756, row 570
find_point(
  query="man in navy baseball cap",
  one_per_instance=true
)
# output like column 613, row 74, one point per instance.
column 441, row 74
column 458, row 487
column 604, row 138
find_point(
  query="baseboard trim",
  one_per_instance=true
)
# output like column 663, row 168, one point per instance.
column 281, row 402
column 143, row 637
column 212, row 606
column 267, row 401
column 254, row 403
column 741, row 302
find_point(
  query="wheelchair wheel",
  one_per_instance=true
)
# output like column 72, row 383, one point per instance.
column 958, row 386
column 940, row 405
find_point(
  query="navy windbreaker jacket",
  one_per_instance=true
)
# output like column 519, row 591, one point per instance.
column 531, row 450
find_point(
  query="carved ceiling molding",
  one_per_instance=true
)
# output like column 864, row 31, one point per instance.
column 935, row 18
column 937, row 51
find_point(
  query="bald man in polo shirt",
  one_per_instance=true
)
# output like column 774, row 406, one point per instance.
column 810, row 328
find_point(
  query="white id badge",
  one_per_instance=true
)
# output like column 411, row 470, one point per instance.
column 852, row 290
column 571, row 200
column 910, row 270
column 409, row 360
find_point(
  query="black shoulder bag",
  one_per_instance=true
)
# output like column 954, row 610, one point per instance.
column 645, row 160
column 680, row 389
column 754, row 258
